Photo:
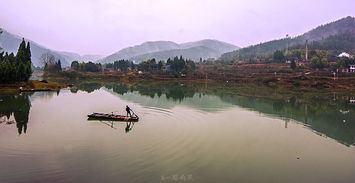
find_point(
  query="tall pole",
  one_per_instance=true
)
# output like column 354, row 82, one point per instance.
column 306, row 51
column 287, row 42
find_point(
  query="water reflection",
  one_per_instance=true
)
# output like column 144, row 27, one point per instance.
column 88, row 87
column 129, row 126
column 18, row 107
column 329, row 114
column 113, row 124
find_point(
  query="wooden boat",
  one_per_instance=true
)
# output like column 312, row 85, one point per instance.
column 111, row 117
column 34, row 90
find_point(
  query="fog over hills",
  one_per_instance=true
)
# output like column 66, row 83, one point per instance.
column 162, row 50
column 10, row 43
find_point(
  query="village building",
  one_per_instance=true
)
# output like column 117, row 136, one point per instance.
column 167, row 68
column 352, row 100
column 352, row 68
column 344, row 54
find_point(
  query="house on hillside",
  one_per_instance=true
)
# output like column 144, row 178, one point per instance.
column 352, row 68
column 344, row 54
column 352, row 100
column 343, row 70
column 167, row 68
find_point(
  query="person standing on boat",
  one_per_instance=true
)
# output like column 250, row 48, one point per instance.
column 128, row 110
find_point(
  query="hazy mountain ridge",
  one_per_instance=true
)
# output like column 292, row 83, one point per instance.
column 219, row 46
column 162, row 50
column 10, row 43
column 77, row 57
column 321, row 34
column 193, row 53
column 147, row 47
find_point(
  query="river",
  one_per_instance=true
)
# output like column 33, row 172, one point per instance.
column 187, row 132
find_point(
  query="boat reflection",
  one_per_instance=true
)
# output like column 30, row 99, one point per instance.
column 113, row 124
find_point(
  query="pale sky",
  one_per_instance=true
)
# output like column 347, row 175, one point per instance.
column 105, row 26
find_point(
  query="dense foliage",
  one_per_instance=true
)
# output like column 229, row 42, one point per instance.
column 86, row 67
column 53, row 67
column 16, row 68
column 278, row 56
column 122, row 65
column 319, row 59
column 176, row 65
column 181, row 65
column 344, row 62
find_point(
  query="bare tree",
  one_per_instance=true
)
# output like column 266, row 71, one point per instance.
column 47, row 59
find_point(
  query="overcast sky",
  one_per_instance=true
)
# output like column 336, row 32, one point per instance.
column 105, row 26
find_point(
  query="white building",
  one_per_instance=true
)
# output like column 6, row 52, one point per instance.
column 344, row 54
column 352, row 68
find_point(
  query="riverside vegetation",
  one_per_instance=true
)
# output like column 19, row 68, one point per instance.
column 16, row 70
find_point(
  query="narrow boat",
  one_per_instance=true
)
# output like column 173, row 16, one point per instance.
column 111, row 117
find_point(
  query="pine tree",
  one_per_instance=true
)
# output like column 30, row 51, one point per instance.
column 59, row 66
column 28, row 52
column 21, row 53
column 16, row 68
column 160, row 65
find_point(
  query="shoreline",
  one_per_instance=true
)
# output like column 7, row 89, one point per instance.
column 31, row 86
column 294, row 81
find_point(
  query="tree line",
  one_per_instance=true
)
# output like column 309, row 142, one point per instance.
column 51, row 64
column 86, row 67
column 16, row 67
column 176, row 65
column 122, row 65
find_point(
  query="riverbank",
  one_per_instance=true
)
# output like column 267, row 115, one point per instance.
column 273, row 75
column 31, row 86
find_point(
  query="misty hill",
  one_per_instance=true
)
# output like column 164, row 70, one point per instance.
column 165, row 49
column 74, row 56
column 147, row 47
column 338, row 32
column 10, row 43
column 193, row 53
column 216, row 45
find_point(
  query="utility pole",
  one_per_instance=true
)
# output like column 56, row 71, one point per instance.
column 306, row 51
column 287, row 42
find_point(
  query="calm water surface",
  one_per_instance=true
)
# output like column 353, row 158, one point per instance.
column 186, row 133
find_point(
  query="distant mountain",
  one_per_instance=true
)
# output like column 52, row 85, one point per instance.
column 341, row 30
column 219, row 46
column 10, row 43
column 147, row 47
column 193, row 53
column 162, row 50
column 83, row 58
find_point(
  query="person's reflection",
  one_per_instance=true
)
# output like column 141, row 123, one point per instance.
column 21, row 127
column 129, row 126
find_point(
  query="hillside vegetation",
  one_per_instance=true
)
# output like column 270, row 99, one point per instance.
column 338, row 35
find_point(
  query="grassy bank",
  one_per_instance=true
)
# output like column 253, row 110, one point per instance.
column 31, row 85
